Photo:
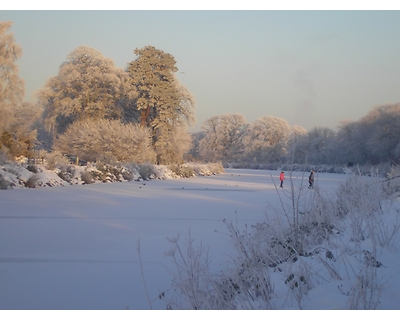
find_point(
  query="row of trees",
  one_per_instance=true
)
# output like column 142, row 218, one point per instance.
column 229, row 138
column 373, row 139
column 90, row 88
column 95, row 110
column 92, row 108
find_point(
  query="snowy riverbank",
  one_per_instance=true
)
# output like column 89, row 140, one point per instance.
column 16, row 176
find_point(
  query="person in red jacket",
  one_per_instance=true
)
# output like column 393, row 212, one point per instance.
column 282, row 177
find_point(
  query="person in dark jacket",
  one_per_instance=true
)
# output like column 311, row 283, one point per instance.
column 282, row 177
column 311, row 180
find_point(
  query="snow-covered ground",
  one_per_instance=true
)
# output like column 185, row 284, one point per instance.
column 76, row 246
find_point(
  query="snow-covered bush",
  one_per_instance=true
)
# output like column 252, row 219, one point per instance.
column 32, row 181
column 367, row 287
column 182, row 170
column 205, row 169
column 106, row 140
column 87, row 177
column 131, row 172
column 192, row 277
column 4, row 184
column 216, row 167
column 148, row 171
column 13, row 175
column 53, row 160
column 392, row 182
column 365, row 201
column 108, row 173
column 66, row 173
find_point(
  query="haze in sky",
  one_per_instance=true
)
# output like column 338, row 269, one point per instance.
column 311, row 68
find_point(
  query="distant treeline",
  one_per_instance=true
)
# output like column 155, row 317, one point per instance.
column 373, row 139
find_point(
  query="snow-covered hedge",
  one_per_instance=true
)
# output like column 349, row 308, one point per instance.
column 24, row 175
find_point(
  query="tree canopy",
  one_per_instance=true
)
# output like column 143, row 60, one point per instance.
column 266, row 139
column 88, row 87
column 223, row 139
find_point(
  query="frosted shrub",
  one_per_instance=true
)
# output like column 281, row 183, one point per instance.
column 366, row 290
column 216, row 167
column 66, row 173
column 109, row 173
column 87, row 177
column 286, row 244
column 250, row 276
column 131, row 172
column 247, row 283
column 4, row 184
column 205, row 169
column 392, row 183
column 106, row 140
column 298, row 278
column 147, row 171
column 192, row 280
column 182, row 171
column 55, row 160
column 32, row 181
column 245, row 286
column 127, row 175
column 365, row 202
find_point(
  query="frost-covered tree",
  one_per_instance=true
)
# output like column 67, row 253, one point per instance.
column 373, row 139
column 106, row 139
column 223, row 140
column 24, row 129
column 352, row 148
column 320, row 145
column 266, row 139
column 88, row 87
column 164, row 104
column 11, row 85
column 16, row 117
column 194, row 152
column 175, row 146
column 296, row 147
column 383, row 126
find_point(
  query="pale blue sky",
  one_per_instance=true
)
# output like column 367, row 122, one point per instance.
column 311, row 68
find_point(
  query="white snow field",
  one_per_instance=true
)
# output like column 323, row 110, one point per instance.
column 75, row 247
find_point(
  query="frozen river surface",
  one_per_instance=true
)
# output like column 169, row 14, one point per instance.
column 75, row 247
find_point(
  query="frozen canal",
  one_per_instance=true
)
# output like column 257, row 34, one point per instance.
column 75, row 247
